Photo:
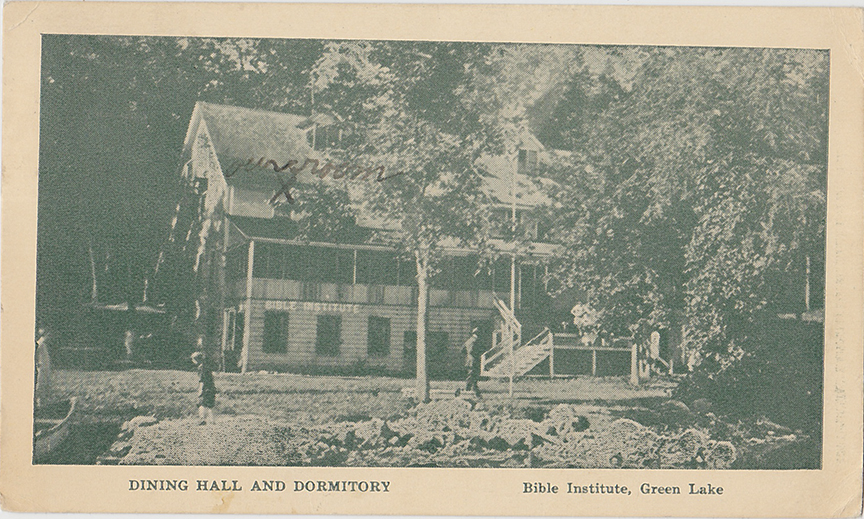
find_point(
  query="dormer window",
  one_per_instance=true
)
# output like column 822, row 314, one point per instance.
column 335, row 136
column 527, row 161
column 325, row 136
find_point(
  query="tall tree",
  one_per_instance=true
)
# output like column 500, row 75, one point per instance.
column 413, row 102
column 111, row 106
column 697, row 189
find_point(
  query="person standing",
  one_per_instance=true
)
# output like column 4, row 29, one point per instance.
column 472, row 363
column 206, row 389
column 43, row 369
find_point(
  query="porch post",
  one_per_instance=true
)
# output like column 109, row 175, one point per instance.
column 223, row 283
column 247, row 313
column 634, row 365
column 225, row 319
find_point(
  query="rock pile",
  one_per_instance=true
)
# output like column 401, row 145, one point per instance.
column 628, row 444
column 228, row 441
column 123, row 444
column 454, row 432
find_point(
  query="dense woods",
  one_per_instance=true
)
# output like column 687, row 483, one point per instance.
column 691, row 197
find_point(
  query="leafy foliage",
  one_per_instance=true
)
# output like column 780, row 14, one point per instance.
column 110, row 108
column 778, row 354
column 413, row 103
column 691, row 193
column 700, row 189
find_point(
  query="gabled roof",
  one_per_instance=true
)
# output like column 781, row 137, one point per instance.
column 529, row 141
column 283, row 228
column 239, row 134
column 500, row 177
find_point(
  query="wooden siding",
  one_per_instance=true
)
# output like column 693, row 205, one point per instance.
column 249, row 202
column 302, row 329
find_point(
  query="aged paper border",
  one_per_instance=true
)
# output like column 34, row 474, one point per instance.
column 835, row 490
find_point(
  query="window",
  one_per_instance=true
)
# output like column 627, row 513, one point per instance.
column 527, row 161
column 329, row 335
column 329, row 136
column 500, row 221
column 275, row 332
column 528, row 225
column 542, row 230
column 378, row 337
column 311, row 291
column 376, row 267
column 407, row 272
column 375, row 294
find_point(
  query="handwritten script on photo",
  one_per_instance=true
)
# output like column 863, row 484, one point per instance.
column 345, row 170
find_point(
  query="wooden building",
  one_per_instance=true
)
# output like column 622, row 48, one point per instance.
column 269, row 301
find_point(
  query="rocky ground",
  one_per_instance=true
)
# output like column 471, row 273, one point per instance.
column 268, row 419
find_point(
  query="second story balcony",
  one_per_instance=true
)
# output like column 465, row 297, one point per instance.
column 317, row 292
column 370, row 275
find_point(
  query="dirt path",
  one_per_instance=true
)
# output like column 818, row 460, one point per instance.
column 281, row 419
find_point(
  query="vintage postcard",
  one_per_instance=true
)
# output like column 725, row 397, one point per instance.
column 429, row 259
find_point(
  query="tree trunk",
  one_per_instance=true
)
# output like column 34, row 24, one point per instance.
column 202, row 306
column 421, row 389
column 94, row 295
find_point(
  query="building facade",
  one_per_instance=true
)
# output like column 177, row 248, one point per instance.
column 265, row 300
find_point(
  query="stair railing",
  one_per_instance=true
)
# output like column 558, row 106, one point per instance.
column 542, row 341
column 510, row 325
column 533, row 352
column 505, row 339
column 502, row 340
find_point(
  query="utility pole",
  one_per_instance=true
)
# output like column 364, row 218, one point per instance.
column 513, row 171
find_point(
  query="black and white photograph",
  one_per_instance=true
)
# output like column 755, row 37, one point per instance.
column 381, row 253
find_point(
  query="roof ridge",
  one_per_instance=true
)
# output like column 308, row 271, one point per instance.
column 205, row 104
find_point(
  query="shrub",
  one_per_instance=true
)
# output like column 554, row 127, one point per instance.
column 779, row 377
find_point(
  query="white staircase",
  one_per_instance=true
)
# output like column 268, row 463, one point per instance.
column 508, row 357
